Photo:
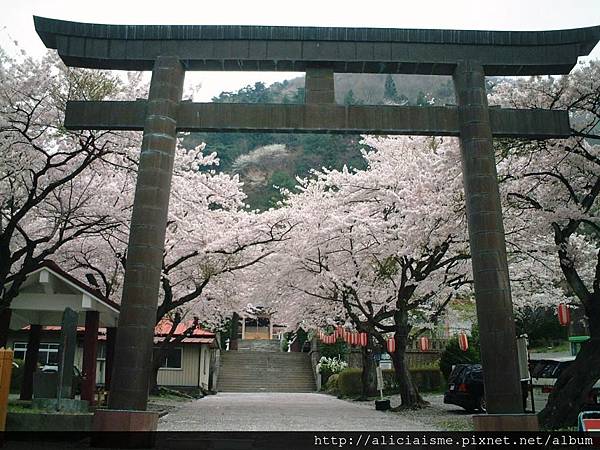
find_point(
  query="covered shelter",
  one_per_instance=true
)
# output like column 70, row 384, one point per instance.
column 42, row 299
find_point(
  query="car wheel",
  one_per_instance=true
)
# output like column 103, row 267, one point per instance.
column 482, row 405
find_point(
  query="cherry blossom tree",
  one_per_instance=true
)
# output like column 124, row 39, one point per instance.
column 210, row 235
column 47, row 186
column 384, row 248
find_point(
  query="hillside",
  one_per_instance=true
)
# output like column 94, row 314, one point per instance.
column 266, row 161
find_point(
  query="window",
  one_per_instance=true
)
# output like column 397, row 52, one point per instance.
column 19, row 349
column 173, row 359
column 101, row 351
column 48, row 354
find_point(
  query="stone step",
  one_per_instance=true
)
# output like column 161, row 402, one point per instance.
column 266, row 388
column 259, row 345
column 259, row 371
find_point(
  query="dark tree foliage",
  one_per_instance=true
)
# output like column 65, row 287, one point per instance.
column 541, row 326
column 453, row 355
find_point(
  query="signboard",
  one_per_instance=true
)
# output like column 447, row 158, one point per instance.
column 523, row 358
column 379, row 379
column 589, row 421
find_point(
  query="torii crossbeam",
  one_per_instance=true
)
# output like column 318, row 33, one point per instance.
column 169, row 51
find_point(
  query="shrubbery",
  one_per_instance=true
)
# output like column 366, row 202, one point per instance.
column 427, row 379
column 331, row 387
column 541, row 326
column 339, row 349
column 16, row 377
column 330, row 366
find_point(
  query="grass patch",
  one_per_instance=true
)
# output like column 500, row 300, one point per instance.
column 22, row 408
column 563, row 347
column 455, row 425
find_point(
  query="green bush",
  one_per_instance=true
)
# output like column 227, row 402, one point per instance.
column 339, row 349
column 331, row 387
column 349, row 383
column 427, row 379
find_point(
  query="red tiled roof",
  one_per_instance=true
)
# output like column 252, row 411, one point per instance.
column 207, row 341
column 199, row 335
column 164, row 326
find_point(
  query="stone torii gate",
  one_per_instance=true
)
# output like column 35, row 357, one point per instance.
column 468, row 56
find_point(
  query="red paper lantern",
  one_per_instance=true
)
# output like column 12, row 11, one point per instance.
column 463, row 341
column 424, row 344
column 391, row 345
column 339, row 332
column 354, row 338
column 346, row 336
column 564, row 315
column 363, row 338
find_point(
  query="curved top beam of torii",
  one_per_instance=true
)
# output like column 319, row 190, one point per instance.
column 294, row 49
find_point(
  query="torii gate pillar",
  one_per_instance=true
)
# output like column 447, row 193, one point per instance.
column 486, row 239
column 133, row 350
column 488, row 255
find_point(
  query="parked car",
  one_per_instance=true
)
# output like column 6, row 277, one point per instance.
column 465, row 387
column 465, row 384
column 544, row 373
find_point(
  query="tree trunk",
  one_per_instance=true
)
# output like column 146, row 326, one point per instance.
column 368, row 376
column 233, row 336
column 409, row 393
column 573, row 386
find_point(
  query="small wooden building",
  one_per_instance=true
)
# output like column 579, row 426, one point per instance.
column 33, row 322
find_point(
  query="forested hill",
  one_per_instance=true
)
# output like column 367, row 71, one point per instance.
column 267, row 160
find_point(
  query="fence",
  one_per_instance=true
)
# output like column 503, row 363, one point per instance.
column 6, row 360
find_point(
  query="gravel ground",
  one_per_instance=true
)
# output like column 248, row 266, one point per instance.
column 165, row 405
column 441, row 416
column 287, row 412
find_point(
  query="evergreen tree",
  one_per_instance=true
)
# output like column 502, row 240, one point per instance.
column 422, row 99
column 350, row 99
column 390, row 92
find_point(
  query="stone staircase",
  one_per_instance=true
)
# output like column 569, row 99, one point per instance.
column 258, row 368
column 259, row 345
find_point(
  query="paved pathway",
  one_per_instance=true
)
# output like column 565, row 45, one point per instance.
column 284, row 412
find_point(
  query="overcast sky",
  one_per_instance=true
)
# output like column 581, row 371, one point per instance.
column 16, row 20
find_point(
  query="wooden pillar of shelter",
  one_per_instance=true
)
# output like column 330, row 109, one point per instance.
column 133, row 350
column 111, row 335
column 90, row 351
column 5, row 316
column 488, row 248
column 31, row 361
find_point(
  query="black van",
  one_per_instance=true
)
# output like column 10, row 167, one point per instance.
column 465, row 387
